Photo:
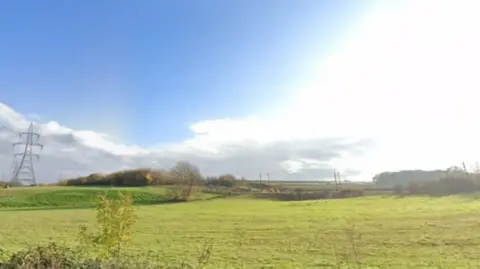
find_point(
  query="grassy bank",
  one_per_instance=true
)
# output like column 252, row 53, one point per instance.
column 77, row 197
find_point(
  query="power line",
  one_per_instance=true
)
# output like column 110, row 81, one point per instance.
column 268, row 178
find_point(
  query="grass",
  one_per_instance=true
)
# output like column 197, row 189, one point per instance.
column 388, row 232
column 75, row 197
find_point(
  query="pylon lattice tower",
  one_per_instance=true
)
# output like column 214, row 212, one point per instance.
column 23, row 169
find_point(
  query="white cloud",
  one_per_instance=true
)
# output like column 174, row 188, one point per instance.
column 218, row 146
column 399, row 92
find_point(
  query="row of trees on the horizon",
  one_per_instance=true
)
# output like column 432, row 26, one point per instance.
column 186, row 180
column 182, row 173
column 186, row 173
column 406, row 177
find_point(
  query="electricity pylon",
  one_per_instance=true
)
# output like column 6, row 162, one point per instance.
column 23, row 168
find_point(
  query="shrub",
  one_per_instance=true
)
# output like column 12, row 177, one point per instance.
column 115, row 218
column 452, row 184
column 298, row 193
column 398, row 189
column 132, row 178
column 226, row 180
column 53, row 256
column 50, row 256
column 346, row 193
column 180, row 193
column 413, row 188
column 161, row 177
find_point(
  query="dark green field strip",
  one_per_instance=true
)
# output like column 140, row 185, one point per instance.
column 75, row 198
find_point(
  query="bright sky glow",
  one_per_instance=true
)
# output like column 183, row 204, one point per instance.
column 401, row 84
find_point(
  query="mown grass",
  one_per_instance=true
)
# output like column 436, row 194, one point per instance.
column 385, row 232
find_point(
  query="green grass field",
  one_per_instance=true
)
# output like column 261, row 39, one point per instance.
column 73, row 197
column 388, row 232
column 77, row 197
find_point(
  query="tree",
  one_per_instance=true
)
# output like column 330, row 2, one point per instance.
column 398, row 189
column 115, row 219
column 187, row 175
column 226, row 180
column 406, row 176
column 413, row 188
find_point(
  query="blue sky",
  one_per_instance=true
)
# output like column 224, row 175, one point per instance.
column 292, row 88
column 144, row 71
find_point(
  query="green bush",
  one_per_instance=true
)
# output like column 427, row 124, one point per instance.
column 398, row 189
column 414, row 188
column 50, row 256
column 53, row 256
column 127, row 178
column 227, row 181
column 143, row 177
column 115, row 218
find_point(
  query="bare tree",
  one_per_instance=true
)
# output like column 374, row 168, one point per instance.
column 188, row 175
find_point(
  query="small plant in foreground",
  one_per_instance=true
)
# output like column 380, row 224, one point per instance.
column 50, row 256
column 350, row 255
column 115, row 219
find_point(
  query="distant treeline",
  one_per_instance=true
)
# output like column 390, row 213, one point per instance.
column 133, row 178
column 148, row 177
column 453, row 180
column 408, row 176
column 449, row 184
